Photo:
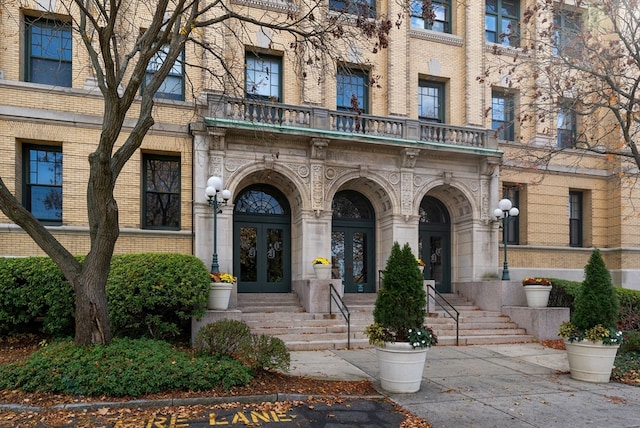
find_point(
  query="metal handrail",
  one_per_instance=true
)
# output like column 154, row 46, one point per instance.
column 333, row 295
column 456, row 318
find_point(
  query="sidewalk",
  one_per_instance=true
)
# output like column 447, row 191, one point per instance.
column 520, row 385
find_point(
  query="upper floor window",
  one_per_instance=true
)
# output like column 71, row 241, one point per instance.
column 437, row 19
column 502, row 21
column 566, row 126
column 575, row 219
column 512, row 192
column 161, row 195
column 43, row 182
column 567, row 26
column 364, row 8
column 502, row 115
column 263, row 77
column 431, row 101
column 48, row 51
column 172, row 88
column 352, row 90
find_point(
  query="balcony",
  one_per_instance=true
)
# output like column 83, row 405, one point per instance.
column 225, row 111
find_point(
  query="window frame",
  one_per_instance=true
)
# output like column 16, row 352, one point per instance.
column 512, row 192
column 499, row 15
column 566, row 135
column 362, row 8
column 351, row 73
column 28, row 186
column 146, row 192
column 506, row 126
column 264, row 58
column 440, row 86
column 567, row 23
column 62, row 78
column 576, row 218
column 152, row 67
column 441, row 21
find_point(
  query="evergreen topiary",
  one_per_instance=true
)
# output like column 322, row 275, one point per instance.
column 596, row 307
column 596, row 302
column 400, row 305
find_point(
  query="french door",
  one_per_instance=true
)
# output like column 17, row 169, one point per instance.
column 352, row 257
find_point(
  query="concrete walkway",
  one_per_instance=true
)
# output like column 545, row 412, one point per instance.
column 519, row 385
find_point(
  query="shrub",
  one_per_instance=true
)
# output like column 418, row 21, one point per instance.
column 125, row 367
column 632, row 342
column 563, row 293
column 234, row 339
column 224, row 337
column 155, row 295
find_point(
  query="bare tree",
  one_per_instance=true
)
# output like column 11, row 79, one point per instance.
column 122, row 40
column 576, row 69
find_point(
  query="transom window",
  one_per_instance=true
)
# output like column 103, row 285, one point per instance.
column 364, row 8
column 161, row 183
column 501, row 22
column 43, row 182
column 502, row 115
column 431, row 101
column 352, row 205
column 263, row 78
column 261, row 200
column 48, row 52
column 352, row 88
column 172, row 88
column 438, row 19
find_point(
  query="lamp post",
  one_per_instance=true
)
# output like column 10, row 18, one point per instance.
column 214, row 187
column 504, row 211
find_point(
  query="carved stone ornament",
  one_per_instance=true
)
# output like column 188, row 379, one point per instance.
column 319, row 148
column 409, row 158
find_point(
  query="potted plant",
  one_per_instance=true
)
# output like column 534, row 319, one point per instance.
column 220, row 290
column 421, row 264
column 322, row 268
column 398, row 331
column 591, row 338
column 537, row 291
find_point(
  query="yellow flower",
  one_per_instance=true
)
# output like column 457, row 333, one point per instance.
column 223, row 277
column 320, row 261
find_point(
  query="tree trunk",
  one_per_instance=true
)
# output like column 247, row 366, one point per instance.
column 92, row 316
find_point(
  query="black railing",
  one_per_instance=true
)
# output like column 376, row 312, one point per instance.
column 439, row 299
column 335, row 297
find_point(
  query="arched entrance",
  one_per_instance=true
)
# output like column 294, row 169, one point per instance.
column 434, row 242
column 262, row 240
column 353, row 242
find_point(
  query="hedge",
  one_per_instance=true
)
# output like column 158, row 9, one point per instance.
column 150, row 295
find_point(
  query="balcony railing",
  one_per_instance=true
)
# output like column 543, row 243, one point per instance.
column 315, row 118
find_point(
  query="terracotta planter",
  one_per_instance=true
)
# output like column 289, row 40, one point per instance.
column 322, row 271
column 537, row 295
column 401, row 367
column 591, row 361
column 219, row 295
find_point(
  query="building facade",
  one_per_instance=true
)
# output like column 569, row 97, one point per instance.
column 333, row 167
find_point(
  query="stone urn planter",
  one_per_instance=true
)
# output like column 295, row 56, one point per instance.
column 322, row 268
column 591, row 361
column 537, row 295
column 401, row 367
column 219, row 296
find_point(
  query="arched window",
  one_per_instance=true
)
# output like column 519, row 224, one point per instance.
column 433, row 211
column 261, row 199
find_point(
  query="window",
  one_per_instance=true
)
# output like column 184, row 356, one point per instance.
column 48, row 52
column 161, row 199
column 431, row 101
column 352, row 90
column 263, row 77
column 172, row 88
column 567, row 27
column 502, row 115
column 501, row 22
column 566, row 126
column 365, row 8
column 440, row 20
column 43, row 182
column 512, row 192
column 575, row 219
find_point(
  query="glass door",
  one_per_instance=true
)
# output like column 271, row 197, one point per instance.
column 433, row 249
column 351, row 257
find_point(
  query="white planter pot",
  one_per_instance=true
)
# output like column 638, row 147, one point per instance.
column 219, row 295
column 591, row 361
column 537, row 295
column 401, row 367
column 322, row 271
